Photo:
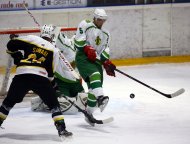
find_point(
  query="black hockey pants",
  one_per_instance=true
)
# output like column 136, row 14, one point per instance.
column 23, row 83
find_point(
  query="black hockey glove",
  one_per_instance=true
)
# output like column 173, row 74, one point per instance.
column 54, row 84
column 12, row 36
column 109, row 67
column 55, row 87
column 17, row 56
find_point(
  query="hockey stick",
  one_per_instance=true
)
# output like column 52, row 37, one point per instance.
column 90, row 118
column 31, row 15
column 68, row 65
column 177, row 93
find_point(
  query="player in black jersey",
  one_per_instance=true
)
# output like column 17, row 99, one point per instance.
column 35, row 59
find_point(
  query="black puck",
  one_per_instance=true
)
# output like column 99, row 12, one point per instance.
column 132, row 95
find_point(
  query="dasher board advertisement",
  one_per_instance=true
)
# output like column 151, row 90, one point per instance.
column 44, row 4
column 8, row 5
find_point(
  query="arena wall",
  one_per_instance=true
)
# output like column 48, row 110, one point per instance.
column 136, row 31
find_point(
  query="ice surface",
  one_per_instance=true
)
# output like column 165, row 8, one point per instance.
column 149, row 118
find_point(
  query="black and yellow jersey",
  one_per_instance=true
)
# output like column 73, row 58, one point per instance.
column 39, row 56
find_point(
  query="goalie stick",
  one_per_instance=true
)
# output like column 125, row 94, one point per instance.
column 90, row 118
column 177, row 93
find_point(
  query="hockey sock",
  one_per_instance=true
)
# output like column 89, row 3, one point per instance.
column 95, row 80
column 4, row 111
column 58, row 116
column 91, row 101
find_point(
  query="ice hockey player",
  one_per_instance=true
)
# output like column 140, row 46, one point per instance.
column 36, row 60
column 65, row 83
column 92, row 44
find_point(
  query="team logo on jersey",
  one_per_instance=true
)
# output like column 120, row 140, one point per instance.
column 98, row 40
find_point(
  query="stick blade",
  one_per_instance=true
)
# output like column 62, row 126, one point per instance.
column 104, row 121
column 108, row 120
column 177, row 93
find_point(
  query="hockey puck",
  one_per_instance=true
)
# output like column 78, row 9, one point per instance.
column 132, row 95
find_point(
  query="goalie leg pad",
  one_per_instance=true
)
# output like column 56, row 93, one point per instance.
column 38, row 105
column 66, row 106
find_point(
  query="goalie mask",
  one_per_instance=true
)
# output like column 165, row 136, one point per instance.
column 48, row 31
column 100, row 13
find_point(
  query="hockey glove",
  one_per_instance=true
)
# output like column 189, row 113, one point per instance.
column 109, row 67
column 12, row 36
column 90, row 53
column 55, row 86
column 17, row 56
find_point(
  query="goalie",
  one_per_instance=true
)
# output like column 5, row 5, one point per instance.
column 64, row 82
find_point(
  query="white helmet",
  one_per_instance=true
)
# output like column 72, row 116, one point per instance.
column 47, row 31
column 100, row 13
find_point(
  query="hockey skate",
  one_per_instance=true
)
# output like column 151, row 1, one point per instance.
column 88, row 115
column 1, row 121
column 60, row 125
column 102, row 102
column 90, row 120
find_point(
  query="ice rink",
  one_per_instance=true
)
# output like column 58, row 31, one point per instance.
column 149, row 118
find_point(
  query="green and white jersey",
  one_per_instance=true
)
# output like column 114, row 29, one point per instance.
column 66, row 47
column 63, row 73
column 88, row 34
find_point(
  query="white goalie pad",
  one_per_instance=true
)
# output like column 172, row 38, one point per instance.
column 38, row 105
column 66, row 107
